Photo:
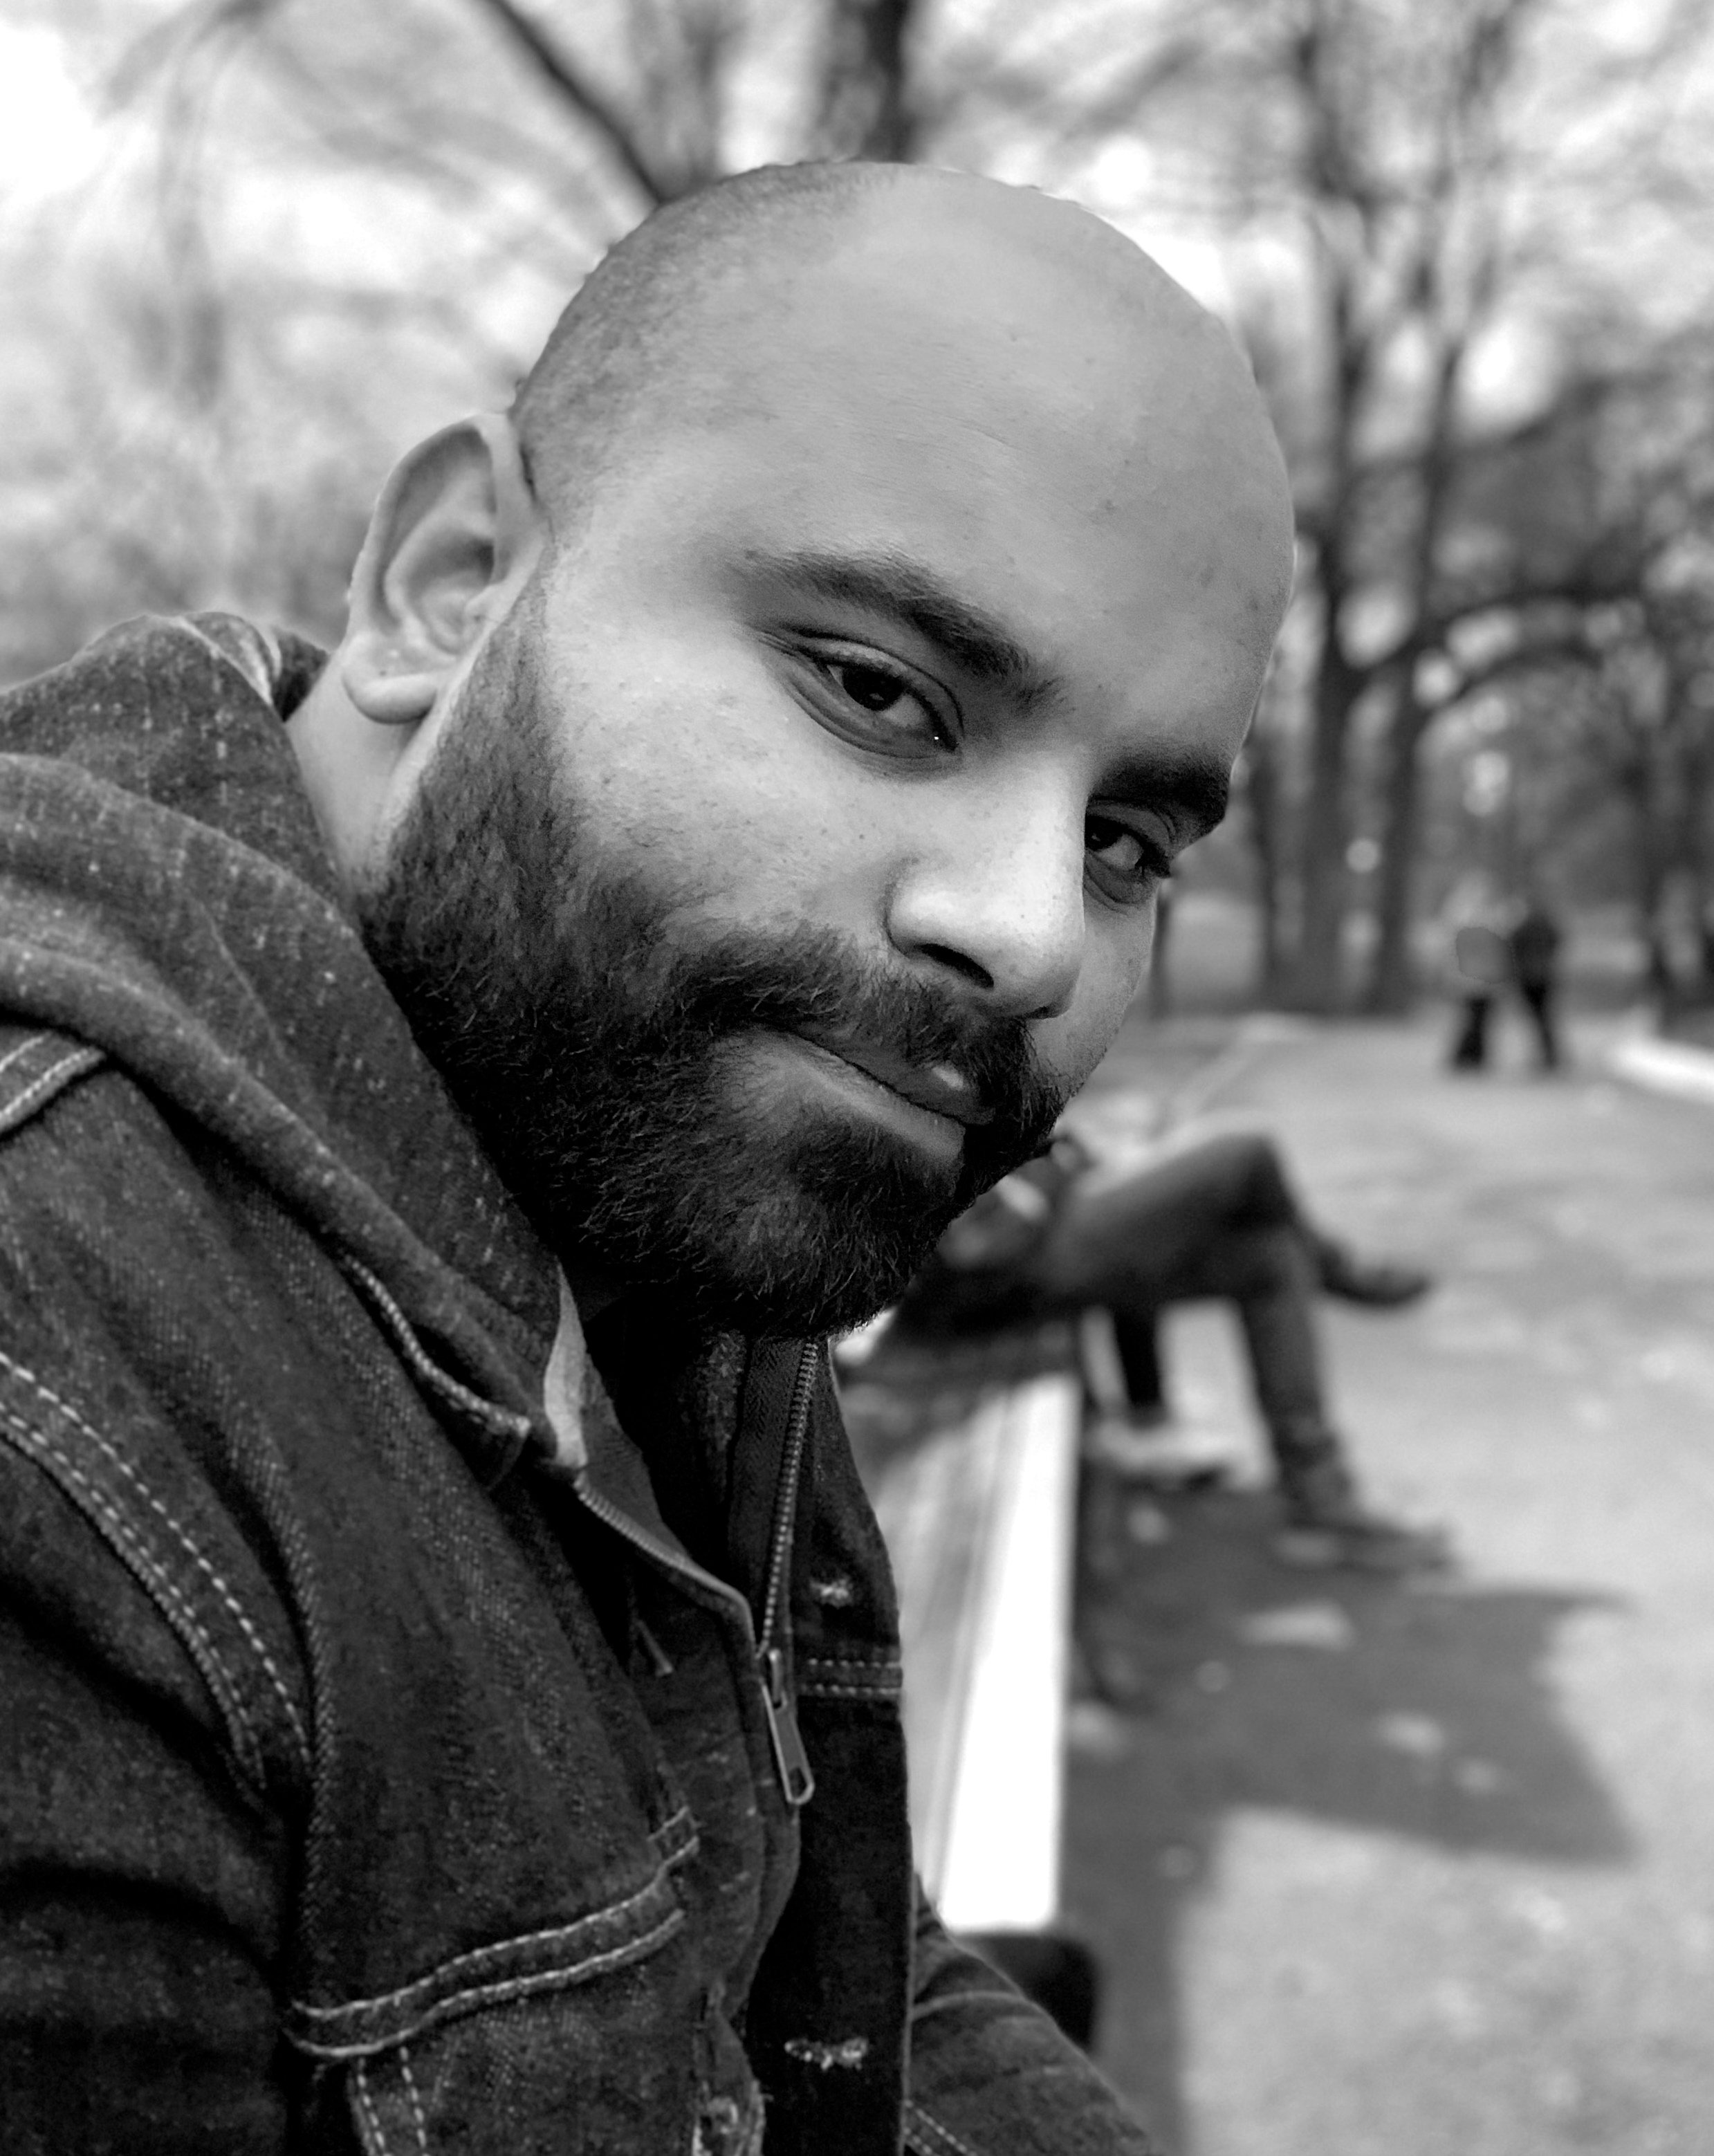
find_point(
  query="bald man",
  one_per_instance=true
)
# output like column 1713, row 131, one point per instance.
column 450, row 1088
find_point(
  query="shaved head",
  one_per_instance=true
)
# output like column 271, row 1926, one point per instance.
column 694, row 317
column 625, row 348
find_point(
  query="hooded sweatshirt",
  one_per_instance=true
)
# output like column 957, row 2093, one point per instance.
column 398, row 1755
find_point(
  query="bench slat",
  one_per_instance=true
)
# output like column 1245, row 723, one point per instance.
column 979, row 1523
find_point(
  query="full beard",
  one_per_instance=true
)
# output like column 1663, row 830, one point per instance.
column 592, row 1051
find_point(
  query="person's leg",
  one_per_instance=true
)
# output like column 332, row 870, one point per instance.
column 1268, row 1275
column 1155, row 1226
column 1539, row 1001
column 1120, row 1246
column 1114, row 1247
column 1553, row 1053
column 1470, row 1052
column 1216, row 1221
column 1147, row 1227
column 1136, row 1336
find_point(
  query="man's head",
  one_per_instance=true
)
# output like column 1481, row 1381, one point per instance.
column 754, row 762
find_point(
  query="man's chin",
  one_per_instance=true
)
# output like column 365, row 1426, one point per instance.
column 809, row 1231
column 827, row 1291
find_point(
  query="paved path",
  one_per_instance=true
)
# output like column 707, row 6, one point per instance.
column 1380, row 1870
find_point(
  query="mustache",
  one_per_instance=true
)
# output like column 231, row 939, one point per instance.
column 810, row 981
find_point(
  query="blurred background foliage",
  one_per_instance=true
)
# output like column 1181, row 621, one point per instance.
column 252, row 249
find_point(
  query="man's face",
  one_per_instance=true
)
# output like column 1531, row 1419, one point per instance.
column 600, row 1052
column 791, row 854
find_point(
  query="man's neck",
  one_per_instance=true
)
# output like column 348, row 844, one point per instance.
column 345, row 762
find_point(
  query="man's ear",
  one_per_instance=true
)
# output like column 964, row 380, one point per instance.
column 453, row 539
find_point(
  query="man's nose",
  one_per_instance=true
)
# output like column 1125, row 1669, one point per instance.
column 998, row 901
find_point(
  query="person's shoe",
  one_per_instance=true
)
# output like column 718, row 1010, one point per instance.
column 1368, row 1543
column 1379, row 1283
column 1153, row 1449
column 1328, row 1526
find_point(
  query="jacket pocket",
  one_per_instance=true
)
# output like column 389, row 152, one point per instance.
column 576, row 2037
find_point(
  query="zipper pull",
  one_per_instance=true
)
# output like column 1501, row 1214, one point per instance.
column 789, row 1758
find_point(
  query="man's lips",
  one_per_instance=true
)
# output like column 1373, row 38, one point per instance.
column 940, row 1087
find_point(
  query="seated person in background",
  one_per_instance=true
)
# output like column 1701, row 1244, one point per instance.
column 1213, row 1217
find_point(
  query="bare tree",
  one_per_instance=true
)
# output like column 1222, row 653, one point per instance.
column 303, row 252
column 1394, row 191
column 1385, row 189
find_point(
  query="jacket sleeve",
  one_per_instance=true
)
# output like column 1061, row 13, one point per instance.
column 142, row 1879
column 991, row 2075
column 136, row 1883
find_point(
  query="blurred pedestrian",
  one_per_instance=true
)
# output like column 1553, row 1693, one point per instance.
column 1480, row 964
column 1535, row 943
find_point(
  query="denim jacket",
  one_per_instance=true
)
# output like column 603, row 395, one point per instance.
column 412, row 1741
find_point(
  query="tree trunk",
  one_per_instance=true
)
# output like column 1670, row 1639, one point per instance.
column 1318, row 982
column 1160, row 958
column 865, row 105
column 1392, row 983
column 1659, row 977
column 1262, row 806
column 1697, row 783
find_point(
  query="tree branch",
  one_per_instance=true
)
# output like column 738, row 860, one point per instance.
column 1565, row 644
column 584, row 100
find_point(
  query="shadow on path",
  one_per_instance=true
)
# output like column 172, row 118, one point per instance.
column 1220, row 1678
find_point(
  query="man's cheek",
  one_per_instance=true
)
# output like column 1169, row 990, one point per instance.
column 1069, row 1050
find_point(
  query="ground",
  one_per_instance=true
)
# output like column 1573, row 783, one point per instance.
column 1428, row 1870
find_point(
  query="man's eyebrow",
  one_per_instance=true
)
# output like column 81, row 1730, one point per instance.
column 907, row 591
column 1192, row 786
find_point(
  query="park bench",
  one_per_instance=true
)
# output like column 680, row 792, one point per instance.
column 970, row 1454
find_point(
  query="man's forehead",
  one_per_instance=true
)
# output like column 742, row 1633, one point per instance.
column 911, row 235
column 1001, row 388
column 967, row 305
column 960, row 352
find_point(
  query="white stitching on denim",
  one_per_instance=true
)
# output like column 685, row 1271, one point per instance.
column 811, row 1688
column 479, row 1957
column 376, row 2137
column 848, row 1680
column 253, row 669
column 488, row 1994
column 23, row 1048
column 130, row 1547
column 918, row 2121
column 671, row 1850
column 16, row 1109
column 416, row 2118
column 883, row 1668
column 258, row 1644
column 500, row 1419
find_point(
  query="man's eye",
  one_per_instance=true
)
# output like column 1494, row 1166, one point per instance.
column 1127, row 856
column 879, row 707
column 868, row 686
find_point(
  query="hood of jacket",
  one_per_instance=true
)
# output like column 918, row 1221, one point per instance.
column 167, row 897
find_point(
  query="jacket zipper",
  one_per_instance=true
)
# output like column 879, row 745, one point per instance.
column 791, row 1760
